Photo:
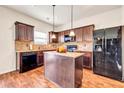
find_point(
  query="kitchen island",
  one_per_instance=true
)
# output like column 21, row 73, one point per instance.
column 64, row 69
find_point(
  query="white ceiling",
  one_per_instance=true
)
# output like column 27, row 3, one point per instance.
column 62, row 12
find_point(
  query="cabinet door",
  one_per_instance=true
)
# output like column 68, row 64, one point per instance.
column 16, row 32
column 88, row 33
column 30, row 33
column 78, row 34
column 40, row 58
column 66, row 32
column 87, row 60
column 53, row 40
column 78, row 71
column 50, row 35
column 61, row 37
column 22, row 34
column 56, row 39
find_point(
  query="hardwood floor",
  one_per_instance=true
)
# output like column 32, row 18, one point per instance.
column 91, row 80
column 35, row 79
column 31, row 79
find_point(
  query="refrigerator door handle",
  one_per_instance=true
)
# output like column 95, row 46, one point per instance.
column 105, row 46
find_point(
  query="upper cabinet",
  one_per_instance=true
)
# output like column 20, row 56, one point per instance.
column 53, row 40
column 61, row 37
column 24, row 32
column 78, row 34
column 66, row 32
column 81, row 34
column 84, row 33
column 87, row 33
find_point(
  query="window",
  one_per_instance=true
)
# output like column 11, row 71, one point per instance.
column 40, row 37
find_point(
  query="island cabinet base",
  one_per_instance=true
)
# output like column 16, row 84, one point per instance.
column 65, row 71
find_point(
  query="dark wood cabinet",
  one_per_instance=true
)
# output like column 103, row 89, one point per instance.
column 40, row 58
column 87, row 33
column 21, row 32
column 61, row 37
column 67, row 32
column 78, row 34
column 24, row 32
column 81, row 34
column 30, row 33
column 84, row 33
column 53, row 40
column 87, row 60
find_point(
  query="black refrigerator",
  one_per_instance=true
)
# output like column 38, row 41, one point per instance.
column 107, row 52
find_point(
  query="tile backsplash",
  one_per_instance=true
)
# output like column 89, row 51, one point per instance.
column 31, row 46
column 84, row 46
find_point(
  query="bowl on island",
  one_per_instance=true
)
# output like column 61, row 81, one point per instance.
column 61, row 50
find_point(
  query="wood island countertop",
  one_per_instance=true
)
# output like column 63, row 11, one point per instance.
column 67, row 54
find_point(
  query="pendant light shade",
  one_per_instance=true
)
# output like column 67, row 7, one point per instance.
column 53, row 35
column 72, row 34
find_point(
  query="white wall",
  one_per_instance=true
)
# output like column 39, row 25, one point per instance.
column 103, row 20
column 7, row 44
column 123, row 14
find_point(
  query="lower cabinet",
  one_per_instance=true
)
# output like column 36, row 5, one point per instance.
column 30, row 60
column 87, row 60
column 40, row 58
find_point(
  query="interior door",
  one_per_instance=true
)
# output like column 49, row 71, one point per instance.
column 113, row 64
column 98, row 52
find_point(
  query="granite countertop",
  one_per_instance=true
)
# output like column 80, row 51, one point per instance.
column 83, row 51
column 36, row 50
column 67, row 54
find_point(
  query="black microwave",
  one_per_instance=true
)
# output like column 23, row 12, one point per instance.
column 68, row 38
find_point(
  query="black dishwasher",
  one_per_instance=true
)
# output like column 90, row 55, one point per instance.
column 28, row 61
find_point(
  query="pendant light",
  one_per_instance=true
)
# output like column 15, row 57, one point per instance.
column 53, row 35
column 72, row 34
